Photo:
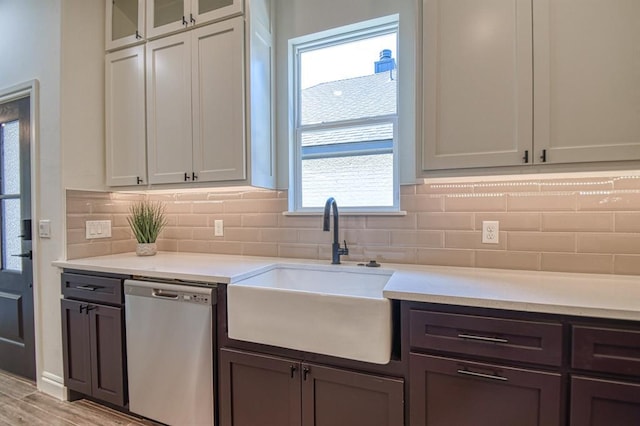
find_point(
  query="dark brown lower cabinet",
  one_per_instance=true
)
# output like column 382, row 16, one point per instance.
column 93, row 350
column 598, row 402
column 263, row 390
column 448, row 391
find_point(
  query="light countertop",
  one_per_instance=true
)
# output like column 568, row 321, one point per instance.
column 591, row 295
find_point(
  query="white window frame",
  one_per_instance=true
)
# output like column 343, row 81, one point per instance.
column 349, row 33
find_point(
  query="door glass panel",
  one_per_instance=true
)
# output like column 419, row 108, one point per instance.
column 11, row 241
column 167, row 11
column 205, row 6
column 124, row 19
column 10, row 158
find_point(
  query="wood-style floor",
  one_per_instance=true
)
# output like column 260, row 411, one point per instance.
column 22, row 404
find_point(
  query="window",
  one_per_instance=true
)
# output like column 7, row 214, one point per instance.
column 345, row 118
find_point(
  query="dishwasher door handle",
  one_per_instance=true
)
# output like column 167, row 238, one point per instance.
column 164, row 295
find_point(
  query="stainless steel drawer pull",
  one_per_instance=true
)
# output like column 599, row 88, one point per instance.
column 482, row 375
column 89, row 287
column 482, row 338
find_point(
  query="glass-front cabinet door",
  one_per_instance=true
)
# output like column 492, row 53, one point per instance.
column 169, row 16
column 213, row 10
column 125, row 23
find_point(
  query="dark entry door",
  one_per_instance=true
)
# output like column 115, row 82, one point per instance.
column 17, row 348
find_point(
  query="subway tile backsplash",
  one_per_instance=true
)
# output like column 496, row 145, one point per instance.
column 567, row 225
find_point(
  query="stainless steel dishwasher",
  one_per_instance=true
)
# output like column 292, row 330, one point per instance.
column 170, row 359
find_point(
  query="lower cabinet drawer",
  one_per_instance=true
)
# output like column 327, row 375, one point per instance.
column 514, row 340
column 597, row 402
column 606, row 350
column 448, row 391
column 92, row 288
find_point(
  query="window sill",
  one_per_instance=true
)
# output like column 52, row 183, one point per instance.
column 347, row 213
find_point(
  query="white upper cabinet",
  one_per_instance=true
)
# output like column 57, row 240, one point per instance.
column 168, row 16
column 586, row 80
column 124, row 24
column 513, row 82
column 195, row 105
column 125, row 117
column 477, row 83
column 218, row 101
column 169, row 130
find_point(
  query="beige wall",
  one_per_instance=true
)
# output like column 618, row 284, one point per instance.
column 574, row 225
column 30, row 46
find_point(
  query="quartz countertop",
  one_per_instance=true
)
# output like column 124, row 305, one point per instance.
column 589, row 295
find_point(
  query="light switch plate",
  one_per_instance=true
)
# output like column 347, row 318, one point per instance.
column 218, row 230
column 44, row 228
column 97, row 229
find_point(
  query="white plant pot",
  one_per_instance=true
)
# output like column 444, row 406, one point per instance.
column 146, row 249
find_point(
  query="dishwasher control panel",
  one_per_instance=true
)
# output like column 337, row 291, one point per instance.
column 204, row 299
column 170, row 292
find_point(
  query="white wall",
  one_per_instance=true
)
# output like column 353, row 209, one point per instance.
column 61, row 44
column 30, row 49
column 295, row 18
column 82, row 94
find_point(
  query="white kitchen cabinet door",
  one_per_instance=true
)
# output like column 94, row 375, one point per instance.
column 218, row 101
column 260, row 91
column 204, row 11
column 477, row 83
column 169, row 150
column 125, row 117
column 167, row 16
column 124, row 24
column 586, row 80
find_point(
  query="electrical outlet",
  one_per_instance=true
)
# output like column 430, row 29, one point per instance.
column 218, row 230
column 490, row 231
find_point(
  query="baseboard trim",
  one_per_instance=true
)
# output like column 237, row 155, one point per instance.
column 53, row 385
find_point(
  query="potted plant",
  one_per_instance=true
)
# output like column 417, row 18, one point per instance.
column 147, row 220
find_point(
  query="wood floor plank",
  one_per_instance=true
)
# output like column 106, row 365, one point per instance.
column 22, row 413
column 77, row 412
column 22, row 404
column 14, row 387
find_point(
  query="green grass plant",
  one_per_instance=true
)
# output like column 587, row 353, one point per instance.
column 147, row 220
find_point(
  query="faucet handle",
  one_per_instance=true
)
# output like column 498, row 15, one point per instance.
column 345, row 250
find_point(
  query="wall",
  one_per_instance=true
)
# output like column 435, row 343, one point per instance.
column 82, row 94
column 580, row 224
column 60, row 43
column 30, row 46
column 295, row 18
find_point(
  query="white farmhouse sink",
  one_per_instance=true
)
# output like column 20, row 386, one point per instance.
column 338, row 311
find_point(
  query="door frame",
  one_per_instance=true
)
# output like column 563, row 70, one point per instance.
column 31, row 89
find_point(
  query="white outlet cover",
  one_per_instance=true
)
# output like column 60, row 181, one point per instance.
column 490, row 232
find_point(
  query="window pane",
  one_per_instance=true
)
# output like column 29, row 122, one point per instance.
column 11, row 242
column 10, row 157
column 354, row 181
column 344, row 135
column 348, row 81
